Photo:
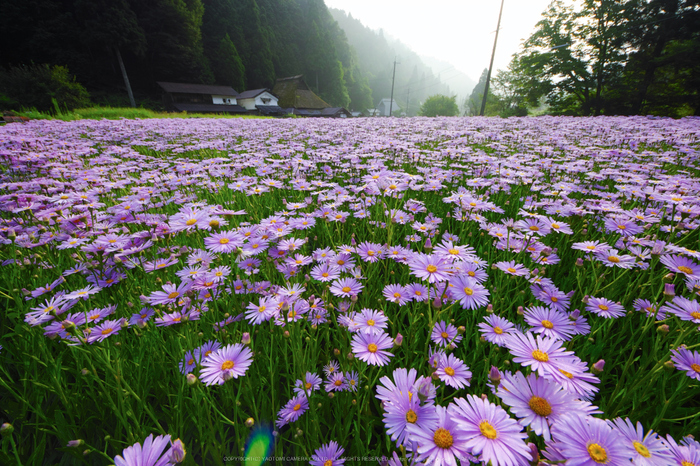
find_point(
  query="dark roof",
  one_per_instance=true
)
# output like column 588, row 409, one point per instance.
column 197, row 89
column 253, row 93
column 335, row 111
column 209, row 108
column 293, row 92
column 271, row 110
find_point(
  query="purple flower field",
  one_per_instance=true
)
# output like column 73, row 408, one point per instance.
column 370, row 291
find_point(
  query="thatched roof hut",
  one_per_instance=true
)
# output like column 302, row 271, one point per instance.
column 294, row 93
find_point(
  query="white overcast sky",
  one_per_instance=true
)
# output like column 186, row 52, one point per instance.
column 458, row 31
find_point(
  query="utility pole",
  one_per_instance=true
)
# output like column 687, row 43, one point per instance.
column 493, row 53
column 408, row 93
column 391, row 103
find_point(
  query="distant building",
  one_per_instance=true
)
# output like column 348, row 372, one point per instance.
column 250, row 100
column 200, row 98
column 384, row 106
column 294, row 93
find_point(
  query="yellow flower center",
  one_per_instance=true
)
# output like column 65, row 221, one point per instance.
column 511, row 269
column 695, row 367
column 468, row 291
column 597, row 453
column 695, row 315
column 308, row 385
column 686, row 270
column 540, row 356
column 453, row 251
column 443, row 438
column 554, row 299
column 555, row 226
column 534, row 228
column 641, row 449
column 324, row 274
column 346, row 289
column 397, row 295
column 370, row 253
column 106, row 331
column 370, row 322
column 614, row 259
column 338, row 383
column 227, row 365
column 444, row 335
column 341, row 262
column 191, row 222
column 328, row 463
column 622, row 227
column 372, row 348
column 173, row 295
column 547, row 324
column 498, row 330
column 223, row 241
column 487, row 430
column 411, row 416
column 540, row 406
column 431, row 268
column 449, row 371
column 603, row 307
column 471, row 274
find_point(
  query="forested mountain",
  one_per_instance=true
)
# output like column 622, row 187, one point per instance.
column 414, row 82
column 246, row 44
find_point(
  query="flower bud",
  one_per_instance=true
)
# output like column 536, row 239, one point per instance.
column 177, row 452
column 245, row 338
column 437, row 303
column 534, row 452
column 461, row 329
column 428, row 244
column 598, row 366
column 75, row 443
column 6, row 429
column 191, row 379
column 353, row 298
column 84, row 371
column 398, row 340
column 662, row 329
column 668, row 365
column 668, row 278
column 669, row 291
column 250, row 422
column 495, row 375
column 350, row 356
column 579, row 262
column 521, row 311
column 489, row 308
column 286, row 334
column 573, row 315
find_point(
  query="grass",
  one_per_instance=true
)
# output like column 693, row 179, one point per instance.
column 116, row 113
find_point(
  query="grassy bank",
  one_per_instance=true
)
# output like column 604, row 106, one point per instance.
column 115, row 113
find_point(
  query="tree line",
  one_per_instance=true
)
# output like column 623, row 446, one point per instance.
column 245, row 44
column 615, row 57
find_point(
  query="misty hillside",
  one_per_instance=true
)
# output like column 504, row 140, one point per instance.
column 415, row 81
column 460, row 83
column 246, row 44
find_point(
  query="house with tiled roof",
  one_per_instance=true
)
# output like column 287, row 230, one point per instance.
column 200, row 98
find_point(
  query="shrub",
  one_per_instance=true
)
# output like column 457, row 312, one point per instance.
column 36, row 86
column 439, row 105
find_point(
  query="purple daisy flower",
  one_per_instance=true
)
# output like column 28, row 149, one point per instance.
column 441, row 443
column 687, row 360
column 403, row 382
column 370, row 321
column 469, row 292
column 396, row 293
column 104, row 330
column 542, row 354
column 150, row 454
column 490, row 434
column 370, row 348
column 650, row 449
column 496, row 329
column 680, row 264
column 432, row 268
column 605, row 308
column 511, row 268
column 336, row 383
column 684, row 308
column 224, row 242
column 537, row 402
column 170, row 294
column 444, row 334
column 292, row 410
column 453, row 371
column 325, row 272
column 418, row 292
column 370, row 252
column 346, row 287
column 549, row 322
column 404, row 410
column 328, row 455
column 589, row 441
column 231, row 361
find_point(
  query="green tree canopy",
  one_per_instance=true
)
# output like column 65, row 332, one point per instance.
column 439, row 105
